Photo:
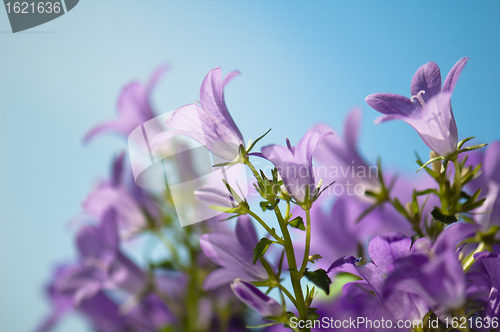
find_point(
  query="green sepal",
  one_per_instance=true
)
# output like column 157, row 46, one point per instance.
column 462, row 142
column 430, row 162
column 320, row 278
column 224, row 209
column 259, row 326
column 258, row 139
column 298, row 223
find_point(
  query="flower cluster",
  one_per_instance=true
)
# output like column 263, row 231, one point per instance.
column 423, row 248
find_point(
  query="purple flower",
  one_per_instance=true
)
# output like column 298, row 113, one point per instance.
column 128, row 200
column 103, row 266
column 491, row 265
column 294, row 164
column 384, row 251
column 233, row 252
column 429, row 109
column 255, row 299
column 488, row 214
column 210, row 124
column 100, row 310
column 134, row 108
column 340, row 159
column 433, row 271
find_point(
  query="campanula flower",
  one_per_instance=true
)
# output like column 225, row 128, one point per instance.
column 340, row 159
column 233, row 253
column 428, row 111
column 384, row 251
column 103, row 266
column 134, row 108
column 433, row 270
column 255, row 299
column 122, row 194
column 490, row 263
column 294, row 164
column 208, row 122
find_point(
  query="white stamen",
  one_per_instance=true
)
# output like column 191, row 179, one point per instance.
column 419, row 97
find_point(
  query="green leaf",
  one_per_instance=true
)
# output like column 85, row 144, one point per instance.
column 426, row 192
column 298, row 222
column 261, row 248
column 312, row 314
column 320, row 278
column 445, row 219
column 163, row 265
column 469, row 207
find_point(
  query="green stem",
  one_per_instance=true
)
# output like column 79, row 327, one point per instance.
column 267, row 228
column 308, row 242
column 457, row 182
column 295, row 276
column 254, row 171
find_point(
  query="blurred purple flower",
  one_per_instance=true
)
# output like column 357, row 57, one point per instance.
column 233, row 252
column 294, row 164
column 338, row 232
column 433, row 271
column 102, row 266
column 255, row 299
column 384, row 252
column 134, row 108
column 490, row 263
column 340, row 159
column 429, row 109
column 211, row 124
column 101, row 311
column 488, row 214
column 129, row 201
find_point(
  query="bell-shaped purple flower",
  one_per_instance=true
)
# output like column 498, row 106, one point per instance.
column 233, row 253
column 209, row 123
column 102, row 266
column 125, row 197
column 429, row 109
column 488, row 214
column 340, row 159
column 490, row 262
column 134, row 108
column 255, row 299
column 384, row 251
column 294, row 164
column 433, row 271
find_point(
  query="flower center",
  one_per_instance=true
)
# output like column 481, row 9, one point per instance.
column 418, row 97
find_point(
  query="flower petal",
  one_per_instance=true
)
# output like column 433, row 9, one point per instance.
column 428, row 79
column 390, row 103
column 452, row 77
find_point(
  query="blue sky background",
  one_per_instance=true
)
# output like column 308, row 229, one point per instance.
column 302, row 62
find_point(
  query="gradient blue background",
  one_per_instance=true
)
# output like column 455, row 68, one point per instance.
column 301, row 61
